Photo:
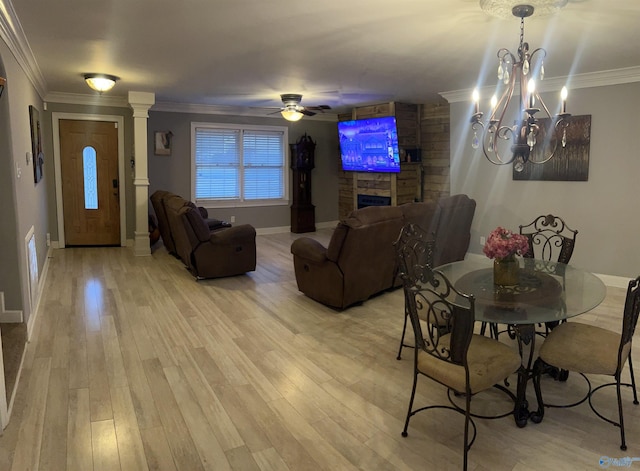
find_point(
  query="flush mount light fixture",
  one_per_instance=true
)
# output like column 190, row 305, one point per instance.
column 100, row 82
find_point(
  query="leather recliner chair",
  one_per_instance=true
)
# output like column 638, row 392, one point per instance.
column 360, row 259
column 208, row 247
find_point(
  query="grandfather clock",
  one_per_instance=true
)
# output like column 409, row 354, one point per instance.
column 303, row 218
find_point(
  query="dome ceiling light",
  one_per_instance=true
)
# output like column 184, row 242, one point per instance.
column 100, row 82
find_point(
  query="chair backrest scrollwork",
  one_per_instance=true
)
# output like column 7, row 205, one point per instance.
column 437, row 301
column 415, row 249
column 550, row 239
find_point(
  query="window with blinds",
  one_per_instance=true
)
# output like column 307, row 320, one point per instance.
column 236, row 164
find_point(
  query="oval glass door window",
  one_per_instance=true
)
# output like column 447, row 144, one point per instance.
column 90, row 178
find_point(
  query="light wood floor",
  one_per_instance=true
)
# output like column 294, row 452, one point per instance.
column 134, row 365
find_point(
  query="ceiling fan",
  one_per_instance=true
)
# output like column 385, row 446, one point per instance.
column 294, row 111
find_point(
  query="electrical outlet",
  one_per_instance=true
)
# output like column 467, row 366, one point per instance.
column 233, row 219
column 48, row 239
column 483, row 240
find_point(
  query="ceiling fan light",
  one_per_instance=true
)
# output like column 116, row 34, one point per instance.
column 100, row 82
column 291, row 115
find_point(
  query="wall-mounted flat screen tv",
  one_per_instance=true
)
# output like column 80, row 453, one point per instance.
column 369, row 145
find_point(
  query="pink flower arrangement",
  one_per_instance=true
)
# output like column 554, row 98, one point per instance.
column 503, row 243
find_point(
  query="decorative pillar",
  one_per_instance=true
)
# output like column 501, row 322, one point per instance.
column 140, row 103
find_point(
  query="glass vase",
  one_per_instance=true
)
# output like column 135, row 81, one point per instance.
column 505, row 271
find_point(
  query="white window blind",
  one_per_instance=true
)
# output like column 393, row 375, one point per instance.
column 217, row 164
column 239, row 164
column 263, row 162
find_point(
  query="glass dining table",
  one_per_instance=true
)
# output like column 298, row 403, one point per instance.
column 545, row 292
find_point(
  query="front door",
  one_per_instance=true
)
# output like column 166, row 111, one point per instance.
column 90, row 186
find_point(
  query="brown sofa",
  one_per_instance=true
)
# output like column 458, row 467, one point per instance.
column 157, row 201
column 360, row 259
column 207, row 253
column 453, row 232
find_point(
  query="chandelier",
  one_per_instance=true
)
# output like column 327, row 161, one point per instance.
column 528, row 139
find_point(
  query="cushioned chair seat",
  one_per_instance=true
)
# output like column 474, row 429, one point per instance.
column 583, row 348
column 489, row 363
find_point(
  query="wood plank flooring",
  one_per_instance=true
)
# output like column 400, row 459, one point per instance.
column 135, row 366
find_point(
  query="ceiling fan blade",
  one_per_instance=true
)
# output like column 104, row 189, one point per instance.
column 306, row 112
column 319, row 107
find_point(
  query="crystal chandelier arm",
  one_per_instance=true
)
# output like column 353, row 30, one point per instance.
column 533, row 57
column 496, row 130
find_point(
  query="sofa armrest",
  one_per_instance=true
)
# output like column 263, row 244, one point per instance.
column 215, row 224
column 309, row 249
column 232, row 234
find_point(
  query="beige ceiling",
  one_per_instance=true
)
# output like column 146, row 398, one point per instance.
column 336, row 52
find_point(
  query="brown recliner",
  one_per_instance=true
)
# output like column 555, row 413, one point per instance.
column 158, row 199
column 163, row 222
column 359, row 261
column 454, row 228
column 213, row 254
column 226, row 251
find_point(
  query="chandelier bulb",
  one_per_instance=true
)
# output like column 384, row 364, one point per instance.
column 506, row 76
column 564, row 138
column 541, row 70
column 491, row 147
column 525, row 67
column 500, row 71
column 475, row 142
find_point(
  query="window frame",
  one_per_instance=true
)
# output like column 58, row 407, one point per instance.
column 241, row 202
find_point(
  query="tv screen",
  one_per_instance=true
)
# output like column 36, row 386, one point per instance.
column 369, row 145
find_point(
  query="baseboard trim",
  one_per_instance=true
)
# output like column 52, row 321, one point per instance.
column 11, row 317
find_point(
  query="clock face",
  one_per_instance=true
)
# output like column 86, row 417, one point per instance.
column 303, row 153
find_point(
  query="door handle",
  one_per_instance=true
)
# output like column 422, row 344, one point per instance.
column 115, row 183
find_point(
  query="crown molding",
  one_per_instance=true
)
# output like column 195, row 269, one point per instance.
column 171, row 107
column 594, row 79
column 233, row 110
column 92, row 100
column 12, row 33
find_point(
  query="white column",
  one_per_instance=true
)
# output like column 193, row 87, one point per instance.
column 140, row 103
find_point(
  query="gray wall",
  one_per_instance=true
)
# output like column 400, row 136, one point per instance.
column 173, row 173
column 26, row 203
column 604, row 209
column 9, row 282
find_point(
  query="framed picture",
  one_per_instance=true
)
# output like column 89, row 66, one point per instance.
column 36, row 144
column 570, row 163
column 163, row 142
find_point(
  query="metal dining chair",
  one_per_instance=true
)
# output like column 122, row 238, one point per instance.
column 550, row 240
column 588, row 349
column 464, row 362
column 415, row 249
